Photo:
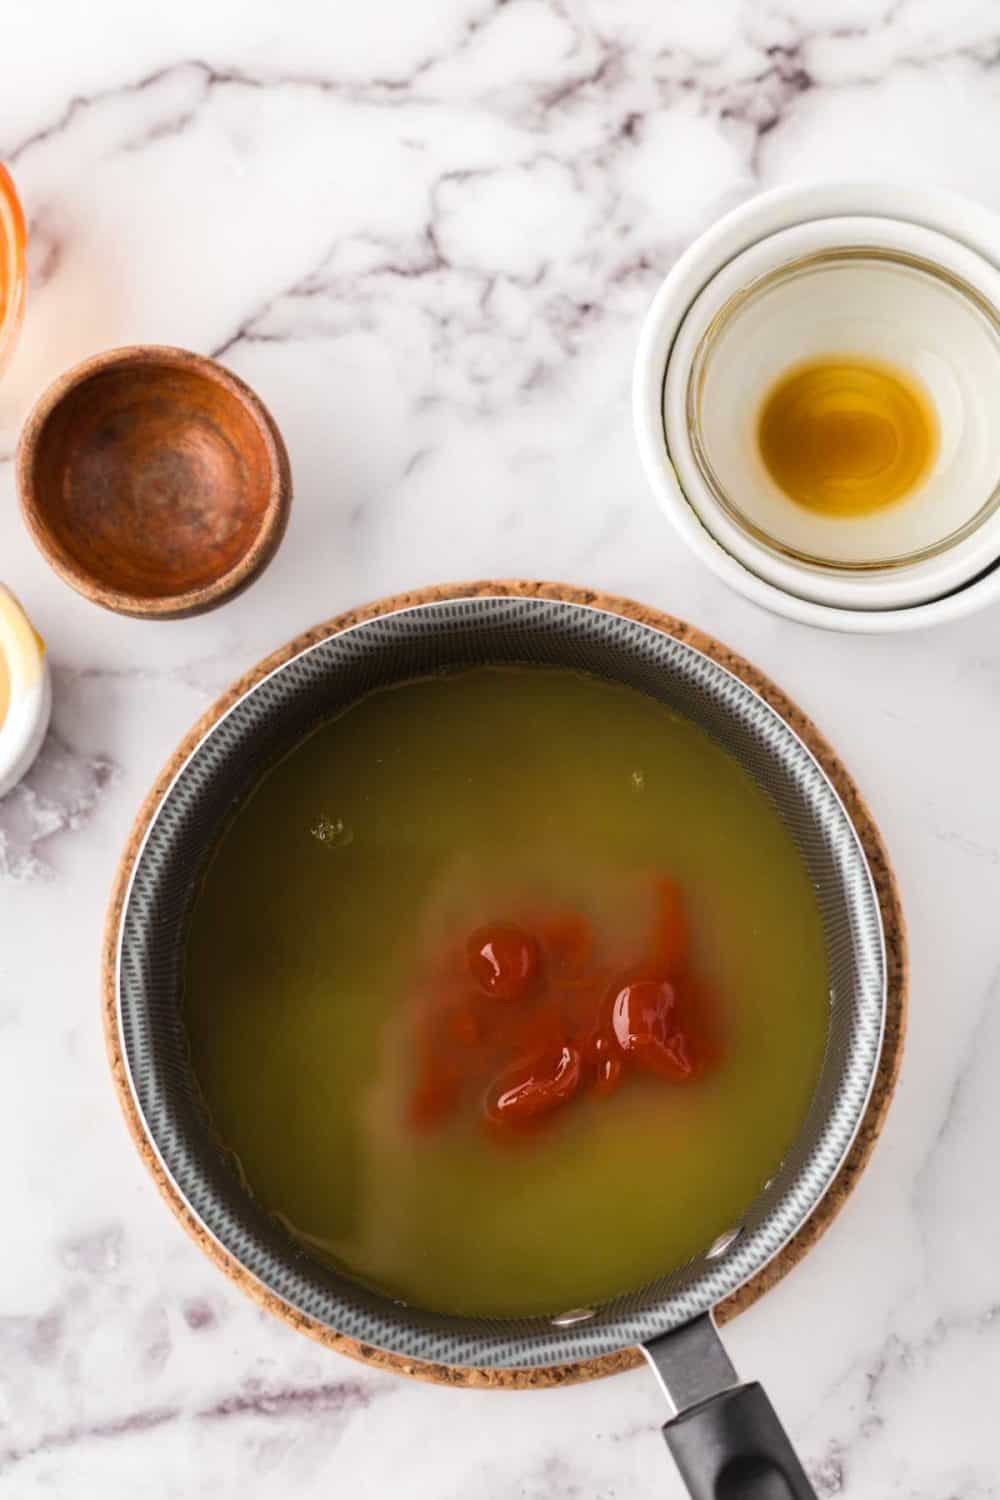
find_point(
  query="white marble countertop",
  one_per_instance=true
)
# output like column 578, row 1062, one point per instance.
column 426, row 232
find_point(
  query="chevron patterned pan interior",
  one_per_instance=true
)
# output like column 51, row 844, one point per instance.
column 267, row 722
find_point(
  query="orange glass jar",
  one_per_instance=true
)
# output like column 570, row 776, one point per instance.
column 13, row 236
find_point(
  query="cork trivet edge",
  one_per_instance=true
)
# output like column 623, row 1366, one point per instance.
column 896, row 1003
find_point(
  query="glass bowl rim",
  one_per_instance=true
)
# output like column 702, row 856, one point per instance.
column 803, row 265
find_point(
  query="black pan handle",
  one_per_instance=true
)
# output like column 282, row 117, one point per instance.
column 726, row 1439
column 732, row 1447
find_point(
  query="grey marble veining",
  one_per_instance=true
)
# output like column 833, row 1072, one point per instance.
column 427, row 234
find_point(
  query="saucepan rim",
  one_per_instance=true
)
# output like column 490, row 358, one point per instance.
column 318, row 1294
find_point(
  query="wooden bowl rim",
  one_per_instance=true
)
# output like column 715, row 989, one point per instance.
column 188, row 601
column 896, row 997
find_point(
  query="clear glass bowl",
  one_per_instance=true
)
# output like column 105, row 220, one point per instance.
column 872, row 302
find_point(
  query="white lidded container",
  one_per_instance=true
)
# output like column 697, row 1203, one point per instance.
column 25, row 692
column 905, row 276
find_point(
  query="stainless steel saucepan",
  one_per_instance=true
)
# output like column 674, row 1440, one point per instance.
column 724, row 1435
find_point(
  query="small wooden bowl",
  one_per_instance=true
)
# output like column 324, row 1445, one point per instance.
column 154, row 481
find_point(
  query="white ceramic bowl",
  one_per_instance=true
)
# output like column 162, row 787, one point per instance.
column 26, row 697
column 793, row 297
column 962, row 237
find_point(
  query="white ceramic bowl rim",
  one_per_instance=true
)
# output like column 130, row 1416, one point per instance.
column 961, row 219
column 23, row 726
column 883, row 588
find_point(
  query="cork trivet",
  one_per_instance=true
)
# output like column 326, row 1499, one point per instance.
column 896, row 955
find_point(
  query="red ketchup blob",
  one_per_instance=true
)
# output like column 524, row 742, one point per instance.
column 567, row 1024
column 504, row 961
column 606, row 1061
column 643, row 1019
column 535, row 1086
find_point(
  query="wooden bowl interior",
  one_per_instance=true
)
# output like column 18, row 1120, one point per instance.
column 152, row 478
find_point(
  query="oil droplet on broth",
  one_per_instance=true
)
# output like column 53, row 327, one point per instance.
column 333, row 832
column 846, row 436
